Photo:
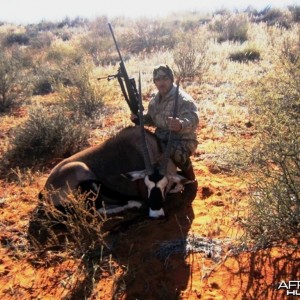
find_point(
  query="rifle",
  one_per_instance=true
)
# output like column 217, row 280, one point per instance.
column 129, row 89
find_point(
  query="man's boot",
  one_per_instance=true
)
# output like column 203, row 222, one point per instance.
column 190, row 189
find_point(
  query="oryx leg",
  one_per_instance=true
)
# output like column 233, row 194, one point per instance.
column 114, row 209
column 66, row 179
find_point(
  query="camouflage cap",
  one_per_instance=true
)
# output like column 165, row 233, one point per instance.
column 161, row 71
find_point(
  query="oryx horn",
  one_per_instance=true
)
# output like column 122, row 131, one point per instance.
column 145, row 150
column 167, row 151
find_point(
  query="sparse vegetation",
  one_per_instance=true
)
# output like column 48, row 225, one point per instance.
column 275, row 198
column 295, row 10
column 148, row 35
column 231, row 27
column 14, row 83
column 275, row 17
column 16, row 38
column 190, row 56
column 79, row 231
column 48, row 133
column 83, row 95
column 50, row 105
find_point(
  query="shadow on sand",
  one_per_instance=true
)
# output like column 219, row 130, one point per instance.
column 258, row 275
column 148, row 275
column 132, row 244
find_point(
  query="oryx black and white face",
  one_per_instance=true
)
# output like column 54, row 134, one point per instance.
column 158, row 186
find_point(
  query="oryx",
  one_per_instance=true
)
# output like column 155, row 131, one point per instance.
column 118, row 171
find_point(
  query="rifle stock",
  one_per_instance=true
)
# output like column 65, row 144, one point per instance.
column 128, row 85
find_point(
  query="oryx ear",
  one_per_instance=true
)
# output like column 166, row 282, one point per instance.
column 135, row 175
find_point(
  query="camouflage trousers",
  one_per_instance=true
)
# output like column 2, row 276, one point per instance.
column 181, row 151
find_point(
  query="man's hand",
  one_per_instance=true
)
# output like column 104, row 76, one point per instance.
column 174, row 124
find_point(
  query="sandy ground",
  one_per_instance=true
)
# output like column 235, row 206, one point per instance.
column 149, row 259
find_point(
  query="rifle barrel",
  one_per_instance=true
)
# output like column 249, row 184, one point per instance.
column 115, row 41
column 128, row 89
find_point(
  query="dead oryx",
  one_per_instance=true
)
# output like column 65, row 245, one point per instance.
column 129, row 166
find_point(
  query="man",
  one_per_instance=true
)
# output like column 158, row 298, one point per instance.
column 159, row 115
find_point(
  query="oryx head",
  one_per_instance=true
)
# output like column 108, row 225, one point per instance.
column 158, row 185
column 157, row 178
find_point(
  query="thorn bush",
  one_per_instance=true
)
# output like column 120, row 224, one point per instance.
column 274, row 211
column 14, row 85
column 48, row 133
column 84, row 96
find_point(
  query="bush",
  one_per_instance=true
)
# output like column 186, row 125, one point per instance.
column 42, row 86
column 274, row 212
column 79, row 230
column 79, row 234
column 275, row 16
column 99, row 48
column 14, row 84
column 245, row 55
column 231, row 27
column 148, row 35
column 83, row 96
column 295, row 10
column 48, row 133
column 291, row 52
column 43, row 79
column 60, row 53
column 17, row 38
column 98, row 42
column 190, row 56
column 41, row 40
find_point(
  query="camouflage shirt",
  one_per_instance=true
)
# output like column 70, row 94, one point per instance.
column 160, row 109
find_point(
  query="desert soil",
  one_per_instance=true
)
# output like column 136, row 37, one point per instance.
column 140, row 265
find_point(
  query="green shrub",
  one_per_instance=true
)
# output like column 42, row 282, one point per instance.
column 190, row 56
column 43, row 79
column 99, row 48
column 14, row 82
column 274, row 211
column 291, row 52
column 17, row 38
column 231, row 27
column 148, row 35
column 245, row 55
column 98, row 42
column 83, row 96
column 41, row 40
column 64, row 53
column 42, row 86
column 295, row 10
column 48, row 133
column 275, row 16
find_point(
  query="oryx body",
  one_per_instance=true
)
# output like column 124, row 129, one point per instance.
column 102, row 169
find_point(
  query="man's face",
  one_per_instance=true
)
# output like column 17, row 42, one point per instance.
column 163, row 84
